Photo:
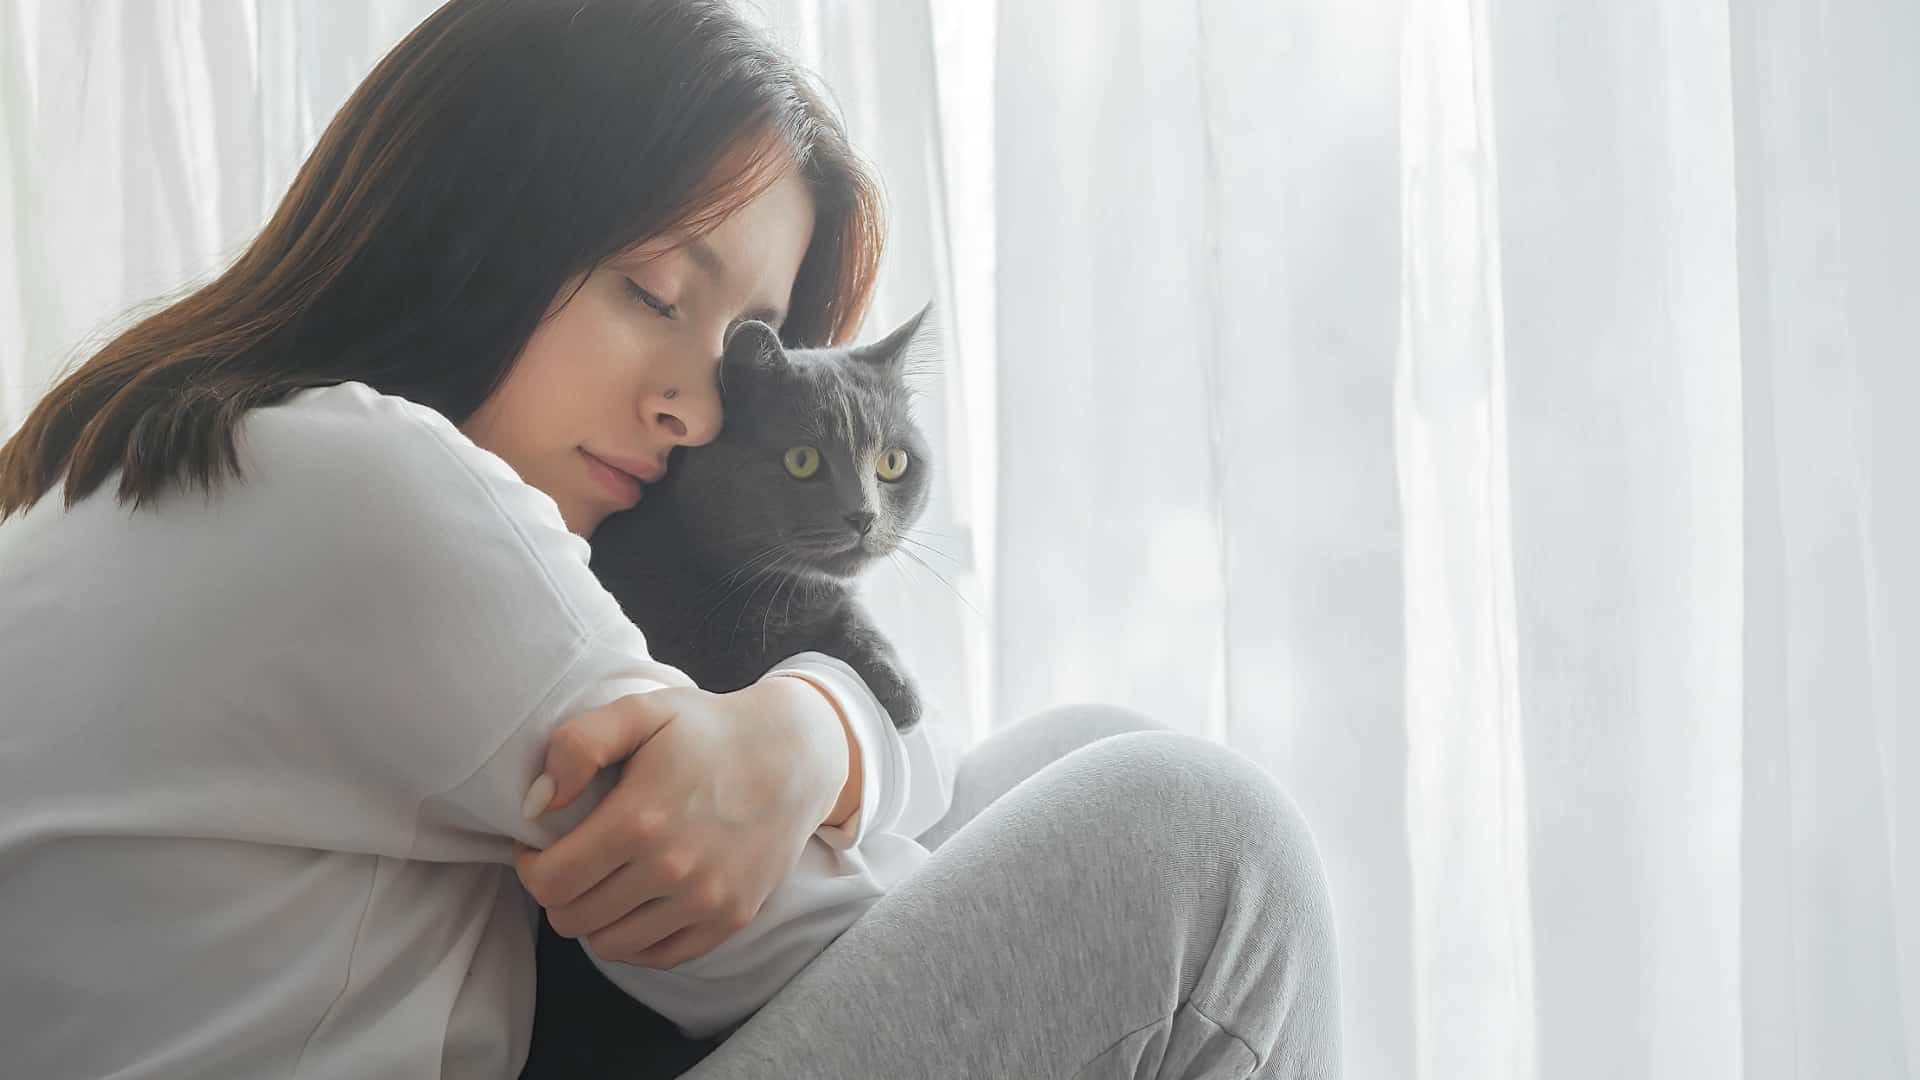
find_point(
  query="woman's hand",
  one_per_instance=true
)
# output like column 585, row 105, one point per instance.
column 718, row 795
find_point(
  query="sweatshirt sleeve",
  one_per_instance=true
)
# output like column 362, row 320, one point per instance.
column 841, row 872
column 475, row 628
column 425, row 621
column 907, row 779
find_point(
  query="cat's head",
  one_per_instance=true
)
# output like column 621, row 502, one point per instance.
column 819, row 467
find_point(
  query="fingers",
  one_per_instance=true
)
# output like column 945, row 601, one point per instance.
column 613, row 835
column 539, row 796
column 689, row 943
column 639, row 939
column 578, row 749
column 523, row 862
column 679, row 923
column 632, row 889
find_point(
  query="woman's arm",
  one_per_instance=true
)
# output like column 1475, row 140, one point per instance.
column 449, row 625
column 717, row 795
column 831, row 884
column 847, row 803
column 876, row 790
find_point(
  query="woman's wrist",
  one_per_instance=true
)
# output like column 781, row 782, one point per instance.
column 836, row 740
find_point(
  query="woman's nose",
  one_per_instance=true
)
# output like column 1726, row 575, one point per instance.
column 689, row 416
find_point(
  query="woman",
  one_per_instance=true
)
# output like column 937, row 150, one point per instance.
column 303, row 654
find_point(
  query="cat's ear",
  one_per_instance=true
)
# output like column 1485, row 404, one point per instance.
column 753, row 345
column 891, row 352
column 751, row 357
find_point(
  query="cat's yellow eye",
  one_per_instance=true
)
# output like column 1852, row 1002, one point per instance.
column 802, row 462
column 893, row 464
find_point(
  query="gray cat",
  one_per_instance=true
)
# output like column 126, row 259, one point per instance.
column 741, row 557
column 745, row 554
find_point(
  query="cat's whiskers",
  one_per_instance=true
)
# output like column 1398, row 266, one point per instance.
column 766, row 623
column 734, row 634
column 795, row 583
column 894, row 562
column 822, row 535
column 759, row 581
column 752, row 562
column 730, row 576
column 905, row 539
column 768, row 562
column 943, row 580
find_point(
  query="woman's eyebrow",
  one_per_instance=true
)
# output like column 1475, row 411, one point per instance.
column 709, row 261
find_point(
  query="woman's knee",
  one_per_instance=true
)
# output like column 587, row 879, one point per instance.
column 1193, row 777
column 1081, row 723
column 1129, row 773
column 1238, row 849
column 1169, row 781
column 1015, row 752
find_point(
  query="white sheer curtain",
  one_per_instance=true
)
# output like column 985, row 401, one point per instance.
column 1498, row 420
column 1491, row 418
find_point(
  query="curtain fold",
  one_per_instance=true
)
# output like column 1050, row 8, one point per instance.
column 1467, row 811
column 1489, row 416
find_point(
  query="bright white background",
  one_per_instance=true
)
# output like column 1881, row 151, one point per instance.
column 1495, row 417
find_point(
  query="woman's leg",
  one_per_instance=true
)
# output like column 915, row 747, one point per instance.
column 1145, row 904
column 1013, row 753
column 584, row 1026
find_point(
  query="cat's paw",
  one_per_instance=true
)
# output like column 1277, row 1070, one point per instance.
column 898, row 696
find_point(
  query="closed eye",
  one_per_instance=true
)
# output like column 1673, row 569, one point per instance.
column 666, row 310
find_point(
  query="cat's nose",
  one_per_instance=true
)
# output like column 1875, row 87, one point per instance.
column 862, row 521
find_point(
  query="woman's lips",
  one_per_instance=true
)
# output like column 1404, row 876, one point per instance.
column 622, row 486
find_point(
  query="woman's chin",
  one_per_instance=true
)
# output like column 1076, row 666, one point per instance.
column 584, row 521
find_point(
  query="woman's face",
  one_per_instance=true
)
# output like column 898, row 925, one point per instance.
column 627, row 369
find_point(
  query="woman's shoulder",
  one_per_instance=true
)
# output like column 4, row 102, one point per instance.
column 352, row 424
column 355, row 442
column 371, row 473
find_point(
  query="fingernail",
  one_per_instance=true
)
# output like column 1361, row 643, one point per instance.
column 538, row 796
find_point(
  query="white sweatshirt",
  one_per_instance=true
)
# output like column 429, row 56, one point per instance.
column 262, row 753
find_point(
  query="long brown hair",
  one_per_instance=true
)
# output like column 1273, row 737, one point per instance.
column 501, row 148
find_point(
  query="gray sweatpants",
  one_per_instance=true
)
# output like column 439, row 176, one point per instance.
column 1106, row 898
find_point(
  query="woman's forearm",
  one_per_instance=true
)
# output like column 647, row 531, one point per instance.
column 847, row 802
